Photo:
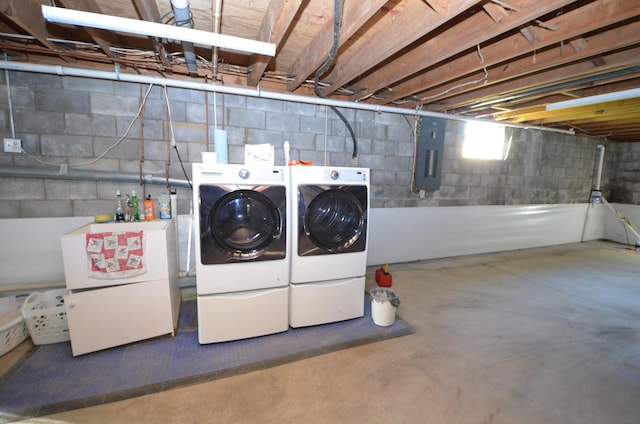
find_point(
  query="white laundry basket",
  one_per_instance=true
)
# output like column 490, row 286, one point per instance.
column 13, row 329
column 46, row 317
column 384, row 302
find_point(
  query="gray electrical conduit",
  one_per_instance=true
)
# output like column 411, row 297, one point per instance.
column 73, row 174
column 249, row 92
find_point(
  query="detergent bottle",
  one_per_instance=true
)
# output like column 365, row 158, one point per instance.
column 165, row 206
column 149, row 212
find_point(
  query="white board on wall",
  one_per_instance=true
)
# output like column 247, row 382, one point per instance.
column 412, row 234
column 30, row 251
column 616, row 229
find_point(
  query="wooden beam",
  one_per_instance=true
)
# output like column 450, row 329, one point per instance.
column 465, row 35
column 496, row 12
column 354, row 15
column 620, row 124
column 104, row 39
column 406, row 23
column 148, row 11
column 599, row 110
column 591, row 17
column 438, row 6
column 27, row 14
column 274, row 27
column 609, row 119
column 522, row 74
column 615, row 61
column 519, row 112
column 531, row 34
column 618, row 38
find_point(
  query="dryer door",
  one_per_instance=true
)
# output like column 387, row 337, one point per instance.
column 334, row 220
column 242, row 225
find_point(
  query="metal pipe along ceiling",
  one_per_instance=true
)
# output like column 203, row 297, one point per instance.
column 249, row 92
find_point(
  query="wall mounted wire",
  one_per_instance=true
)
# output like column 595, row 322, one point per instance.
column 334, row 49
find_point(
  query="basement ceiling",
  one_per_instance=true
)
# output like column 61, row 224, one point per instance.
column 502, row 59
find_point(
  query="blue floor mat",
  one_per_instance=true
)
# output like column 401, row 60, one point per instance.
column 51, row 380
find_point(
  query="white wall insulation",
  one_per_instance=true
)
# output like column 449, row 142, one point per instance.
column 31, row 254
column 413, row 234
column 616, row 229
column 33, row 258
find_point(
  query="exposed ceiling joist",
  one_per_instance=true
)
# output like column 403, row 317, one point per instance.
column 273, row 29
column 495, row 59
column 26, row 15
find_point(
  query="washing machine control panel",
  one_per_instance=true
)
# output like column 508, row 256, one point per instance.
column 345, row 175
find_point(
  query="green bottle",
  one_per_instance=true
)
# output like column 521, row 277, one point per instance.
column 136, row 207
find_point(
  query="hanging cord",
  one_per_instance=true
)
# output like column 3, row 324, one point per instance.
column 182, row 166
column 206, row 114
column 327, row 64
column 173, row 141
column 172, row 137
column 414, row 132
column 141, row 145
column 215, row 111
column 64, row 167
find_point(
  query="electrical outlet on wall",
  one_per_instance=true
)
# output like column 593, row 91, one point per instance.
column 12, row 145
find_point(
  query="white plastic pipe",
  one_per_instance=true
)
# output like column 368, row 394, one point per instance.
column 249, row 92
column 592, row 100
column 153, row 29
column 601, row 148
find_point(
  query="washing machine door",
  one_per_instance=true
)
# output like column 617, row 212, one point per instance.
column 243, row 225
column 334, row 221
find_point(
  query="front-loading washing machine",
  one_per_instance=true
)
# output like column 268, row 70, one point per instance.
column 242, row 250
column 329, row 245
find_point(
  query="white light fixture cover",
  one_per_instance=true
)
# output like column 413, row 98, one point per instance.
column 152, row 29
column 592, row 100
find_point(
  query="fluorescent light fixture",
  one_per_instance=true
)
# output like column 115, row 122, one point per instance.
column 151, row 29
column 591, row 100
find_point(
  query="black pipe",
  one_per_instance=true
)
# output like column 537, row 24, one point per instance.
column 327, row 64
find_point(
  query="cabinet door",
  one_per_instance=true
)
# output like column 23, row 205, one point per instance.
column 113, row 316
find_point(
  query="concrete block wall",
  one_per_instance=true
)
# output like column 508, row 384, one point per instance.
column 71, row 120
column 623, row 172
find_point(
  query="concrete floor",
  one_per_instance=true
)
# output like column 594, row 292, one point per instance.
column 546, row 335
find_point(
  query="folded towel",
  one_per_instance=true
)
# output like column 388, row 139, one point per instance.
column 115, row 254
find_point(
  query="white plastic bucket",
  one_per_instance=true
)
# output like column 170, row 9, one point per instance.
column 384, row 302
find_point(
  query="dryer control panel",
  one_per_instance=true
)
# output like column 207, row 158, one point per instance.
column 345, row 175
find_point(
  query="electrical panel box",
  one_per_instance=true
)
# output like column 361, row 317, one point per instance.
column 429, row 154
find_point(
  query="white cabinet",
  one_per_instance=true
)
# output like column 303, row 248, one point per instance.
column 104, row 311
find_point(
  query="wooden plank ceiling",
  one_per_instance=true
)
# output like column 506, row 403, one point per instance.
column 498, row 59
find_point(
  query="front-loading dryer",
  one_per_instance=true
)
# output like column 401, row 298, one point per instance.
column 329, row 245
column 242, row 250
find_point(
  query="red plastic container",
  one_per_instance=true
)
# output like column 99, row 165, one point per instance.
column 383, row 280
